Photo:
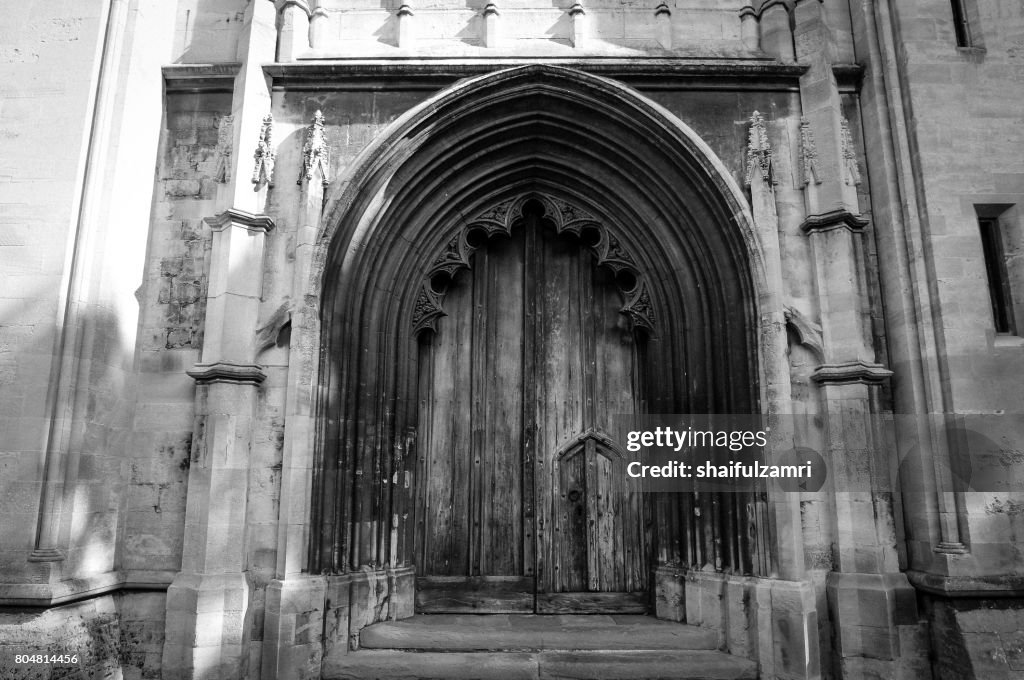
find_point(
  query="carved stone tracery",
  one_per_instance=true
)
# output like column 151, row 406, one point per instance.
column 566, row 218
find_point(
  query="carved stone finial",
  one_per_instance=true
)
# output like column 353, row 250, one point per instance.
column 265, row 154
column 851, row 171
column 225, row 133
column 759, row 149
column 576, row 9
column 808, row 153
column 316, row 154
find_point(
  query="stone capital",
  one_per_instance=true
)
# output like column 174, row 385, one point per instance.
column 233, row 217
column 835, row 219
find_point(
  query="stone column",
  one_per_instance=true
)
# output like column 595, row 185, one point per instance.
column 491, row 34
column 294, row 34
column 208, row 613
column 292, row 635
column 209, row 603
column 776, row 35
column 786, row 612
column 868, row 595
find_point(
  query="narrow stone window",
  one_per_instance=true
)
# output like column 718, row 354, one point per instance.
column 998, row 280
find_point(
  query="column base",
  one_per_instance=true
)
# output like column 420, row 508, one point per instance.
column 293, row 629
column 207, row 627
column 867, row 611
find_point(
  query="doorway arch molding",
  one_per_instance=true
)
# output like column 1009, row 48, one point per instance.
column 539, row 129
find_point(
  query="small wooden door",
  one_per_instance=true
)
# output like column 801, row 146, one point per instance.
column 524, row 501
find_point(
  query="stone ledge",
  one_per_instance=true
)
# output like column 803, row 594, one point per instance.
column 1006, row 585
column 233, row 217
column 227, row 372
column 72, row 590
column 851, row 372
column 201, row 77
column 755, row 73
column 835, row 219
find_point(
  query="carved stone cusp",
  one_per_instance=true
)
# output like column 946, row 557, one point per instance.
column 639, row 307
column 316, row 153
column 427, row 310
column 263, row 169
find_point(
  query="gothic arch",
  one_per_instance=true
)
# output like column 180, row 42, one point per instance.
column 401, row 214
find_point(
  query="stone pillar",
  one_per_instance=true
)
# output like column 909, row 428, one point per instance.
column 490, row 24
column 578, row 17
column 776, row 35
column 404, row 32
column 784, row 608
column 293, row 631
column 868, row 596
column 293, row 38
column 750, row 30
column 208, row 603
column 317, row 26
column 663, row 19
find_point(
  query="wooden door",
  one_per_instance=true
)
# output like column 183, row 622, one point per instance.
column 524, row 498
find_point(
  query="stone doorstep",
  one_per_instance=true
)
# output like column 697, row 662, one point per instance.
column 512, row 647
column 534, row 633
column 374, row 664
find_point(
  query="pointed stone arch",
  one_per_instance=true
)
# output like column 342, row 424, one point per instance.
column 469, row 156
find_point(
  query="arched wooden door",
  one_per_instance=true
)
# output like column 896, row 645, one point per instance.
column 523, row 500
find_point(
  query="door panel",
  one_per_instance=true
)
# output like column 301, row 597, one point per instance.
column 523, row 492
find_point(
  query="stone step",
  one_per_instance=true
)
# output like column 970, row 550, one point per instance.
column 524, row 632
column 377, row 664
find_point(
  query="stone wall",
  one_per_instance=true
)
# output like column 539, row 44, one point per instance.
column 48, row 60
column 964, row 109
column 112, row 636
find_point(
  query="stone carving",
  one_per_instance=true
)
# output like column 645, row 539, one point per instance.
column 427, row 310
column 759, row 150
column 263, row 170
column 225, row 131
column 498, row 220
column 806, row 330
column 316, row 154
column 639, row 307
column 496, row 216
column 808, row 153
column 852, row 172
column 454, row 257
